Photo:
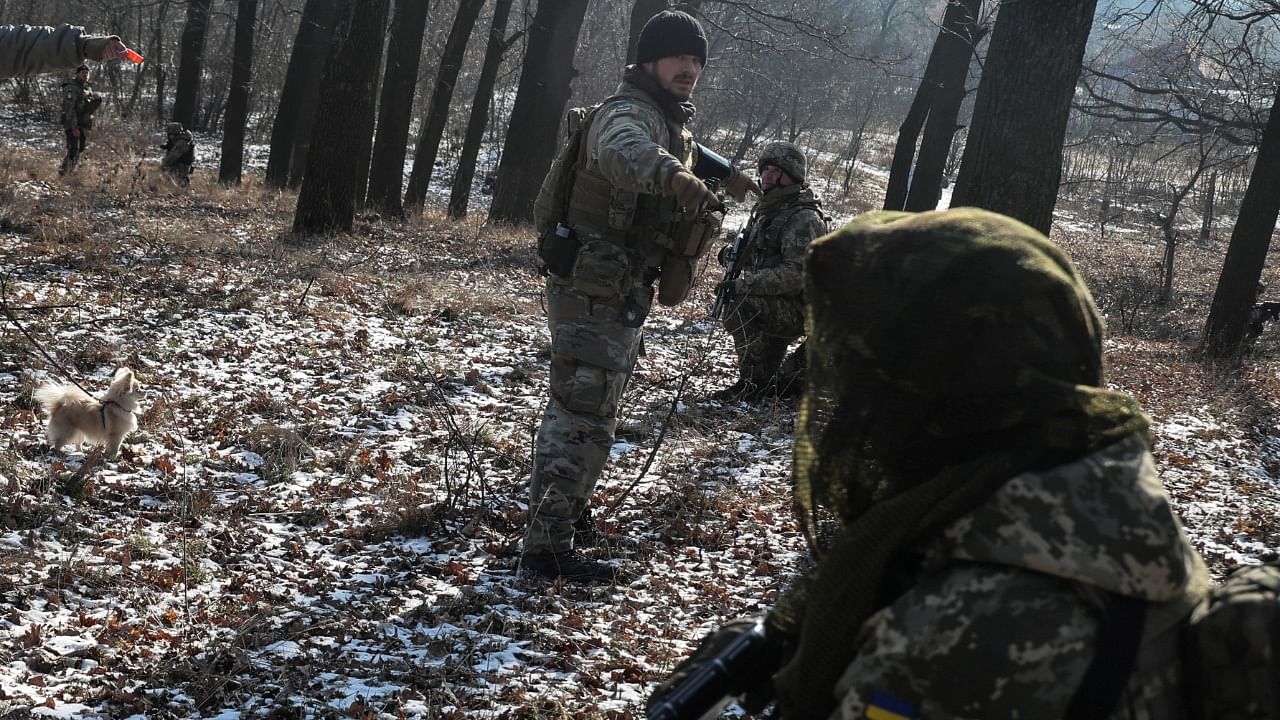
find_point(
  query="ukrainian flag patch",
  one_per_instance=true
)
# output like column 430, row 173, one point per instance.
column 887, row 707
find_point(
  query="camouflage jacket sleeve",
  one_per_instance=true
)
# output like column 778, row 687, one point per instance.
column 972, row 641
column 784, row 275
column 27, row 50
column 628, row 142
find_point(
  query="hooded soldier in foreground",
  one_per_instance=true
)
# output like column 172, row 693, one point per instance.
column 992, row 539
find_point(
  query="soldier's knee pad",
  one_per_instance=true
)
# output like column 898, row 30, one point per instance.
column 585, row 388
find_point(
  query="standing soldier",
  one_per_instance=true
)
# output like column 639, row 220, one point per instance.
column 766, row 303
column 79, row 103
column 633, row 215
column 180, row 153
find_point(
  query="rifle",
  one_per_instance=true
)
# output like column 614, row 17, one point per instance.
column 743, row 664
column 734, row 263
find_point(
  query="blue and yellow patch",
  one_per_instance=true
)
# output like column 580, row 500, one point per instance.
column 887, row 707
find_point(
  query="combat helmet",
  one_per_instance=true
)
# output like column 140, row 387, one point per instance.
column 173, row 128
column 785, row 156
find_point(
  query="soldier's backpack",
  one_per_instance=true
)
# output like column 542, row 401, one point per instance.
column 552, row 204
column 1232, row 660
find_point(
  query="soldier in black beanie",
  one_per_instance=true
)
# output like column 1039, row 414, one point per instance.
column 671, row 33
column 626, row 232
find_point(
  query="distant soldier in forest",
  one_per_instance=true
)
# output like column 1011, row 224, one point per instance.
column 180, row 153
column 763, row 293
column 28, row 50
column 79, row 103
column 620, row 213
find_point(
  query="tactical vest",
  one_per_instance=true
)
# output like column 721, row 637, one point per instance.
column 640, row 222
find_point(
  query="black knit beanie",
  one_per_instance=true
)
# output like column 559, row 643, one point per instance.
column 669, row 33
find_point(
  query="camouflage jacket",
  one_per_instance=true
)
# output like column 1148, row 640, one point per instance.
column 1003, row 618
column 633, row 145
column 27, row 50
column 179, row 149
column 780, row 234
column 76, row 111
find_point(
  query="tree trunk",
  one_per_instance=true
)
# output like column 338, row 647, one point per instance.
column 1013, row 159
column 395, row 109
column 424, row 157
column 238, row 103
column 155, row 58
column 1206, row 222
column 460, row 194
column 539, row 107
column 955, row 44
column 641, row 11
column 190, row 62
column 1238, row 285
column 327, row 199
column 301, row 91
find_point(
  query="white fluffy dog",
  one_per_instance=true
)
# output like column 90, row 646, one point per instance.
column 75, row 417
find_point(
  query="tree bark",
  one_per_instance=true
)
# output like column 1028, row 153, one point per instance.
column 395, row 109
column 301, row 91
column 1013, row 159
column 960, row 32
column 641, row 11
column 538, row 110
column 460, row 193
column 232, row 162
column 424, row 157
column 327, row 200
column 156, row 58
column 1238, row 284
column 190, row 62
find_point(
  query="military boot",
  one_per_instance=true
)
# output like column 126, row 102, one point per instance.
column 567, row 565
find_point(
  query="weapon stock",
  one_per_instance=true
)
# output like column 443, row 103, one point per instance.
column 745, row 662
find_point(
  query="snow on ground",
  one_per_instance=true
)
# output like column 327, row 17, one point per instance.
column 320, row 514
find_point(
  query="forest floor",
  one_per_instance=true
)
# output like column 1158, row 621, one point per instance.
column 319, row 515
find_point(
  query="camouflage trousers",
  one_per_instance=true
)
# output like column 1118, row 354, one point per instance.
column 179, row 172
column 592, row 356
column 763, row 326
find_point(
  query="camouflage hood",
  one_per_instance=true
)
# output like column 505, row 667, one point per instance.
column 1103, row 520
column 949, row 352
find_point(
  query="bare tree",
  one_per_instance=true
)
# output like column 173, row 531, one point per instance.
column 1250, row 239
column 327, row 199
column 424, row 157
column 539, row 106
column 191, row 61
column 386, row 174
column 1013, row 158
column 934, row 109
column 460, row 194
column 232, row 161
column 291, row 130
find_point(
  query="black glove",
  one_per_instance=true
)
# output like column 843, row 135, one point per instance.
column 754, row 682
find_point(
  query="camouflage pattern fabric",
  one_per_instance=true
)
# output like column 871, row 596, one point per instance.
column 998, row 624
column 948, row 353
column 767, row 313
column 27, row 50
column 593, row 351
column 76, row 120
column 179, row 153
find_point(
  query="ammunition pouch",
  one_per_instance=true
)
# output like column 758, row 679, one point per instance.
column 601, row 269
column 558, row 248
column 690, row 238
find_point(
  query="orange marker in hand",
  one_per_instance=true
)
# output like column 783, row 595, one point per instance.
column 132, row 55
